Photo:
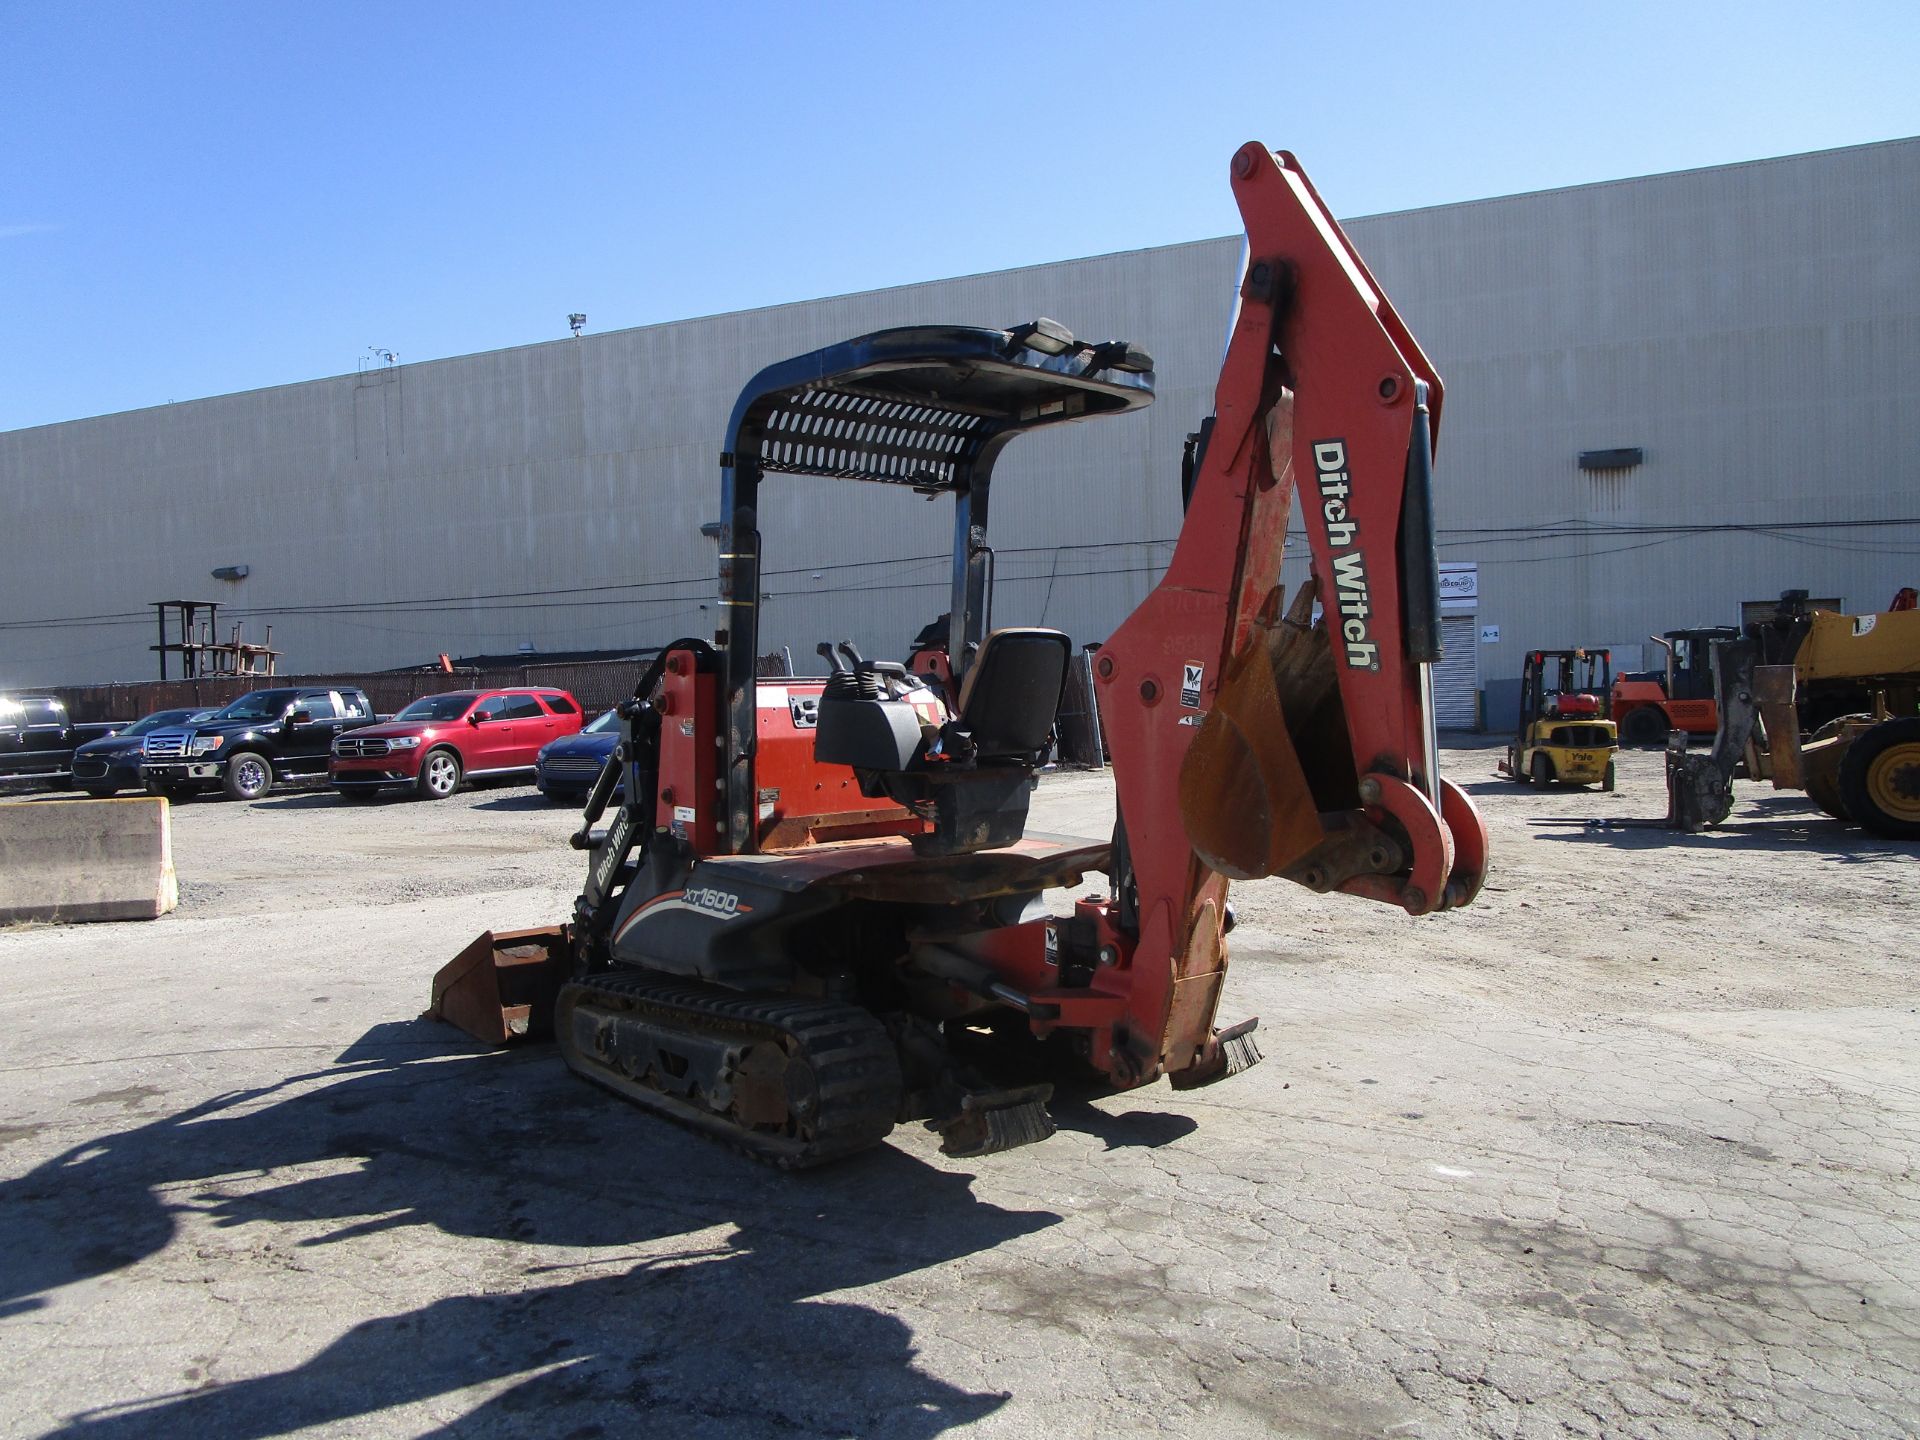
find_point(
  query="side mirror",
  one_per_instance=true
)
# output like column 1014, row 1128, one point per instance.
column 477, row 716
column 300, row 717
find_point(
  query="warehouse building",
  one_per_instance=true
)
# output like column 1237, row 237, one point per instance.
column 1667, row 397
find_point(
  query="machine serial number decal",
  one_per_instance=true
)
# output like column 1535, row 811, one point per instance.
column 1053, row 944
column 1351, row 597
column 1192, row 677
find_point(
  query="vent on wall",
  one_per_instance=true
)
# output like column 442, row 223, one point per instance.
column 1624, row 458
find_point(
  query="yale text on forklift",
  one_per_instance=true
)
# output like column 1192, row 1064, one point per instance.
column 1349, row 564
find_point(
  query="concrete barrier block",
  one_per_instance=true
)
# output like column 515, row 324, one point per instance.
column 71, row 860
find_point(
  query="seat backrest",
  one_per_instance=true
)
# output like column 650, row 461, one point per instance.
column 1013, row 690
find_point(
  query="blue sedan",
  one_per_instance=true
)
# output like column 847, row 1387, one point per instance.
column 102, row 767
column 566, row 768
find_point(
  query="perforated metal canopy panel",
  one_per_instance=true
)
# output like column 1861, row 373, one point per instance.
column 852, row 436
column 927, row 406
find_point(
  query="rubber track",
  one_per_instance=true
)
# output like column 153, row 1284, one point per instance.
column 856, row 1069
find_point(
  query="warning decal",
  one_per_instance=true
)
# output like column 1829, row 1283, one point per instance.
column 1191, row 678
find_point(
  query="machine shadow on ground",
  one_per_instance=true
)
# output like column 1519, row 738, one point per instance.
column 1759, row 822
column 1072, row 1109
column 1506, row 787
column 714, row 1329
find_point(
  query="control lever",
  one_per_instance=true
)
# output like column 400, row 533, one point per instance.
column 824, row 648
column 853, row 655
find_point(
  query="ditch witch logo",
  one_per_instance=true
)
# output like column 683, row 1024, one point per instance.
column 1351, row 596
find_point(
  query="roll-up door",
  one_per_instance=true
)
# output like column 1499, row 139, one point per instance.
column 1456, row 679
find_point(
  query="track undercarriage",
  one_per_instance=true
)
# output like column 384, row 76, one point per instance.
column 791, row 1081
column 796, row 1081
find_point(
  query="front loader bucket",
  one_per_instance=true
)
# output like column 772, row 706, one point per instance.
column 501, row 988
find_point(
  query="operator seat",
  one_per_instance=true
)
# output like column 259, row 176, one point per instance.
column 1009, row 697
column 971, row 776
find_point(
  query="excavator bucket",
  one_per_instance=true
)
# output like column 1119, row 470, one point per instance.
column 501, row 988
column 1248, row 805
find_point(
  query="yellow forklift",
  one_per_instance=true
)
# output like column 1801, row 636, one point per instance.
column 1564, row 735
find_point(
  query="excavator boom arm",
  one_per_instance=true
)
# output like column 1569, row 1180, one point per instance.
column 1250, row 738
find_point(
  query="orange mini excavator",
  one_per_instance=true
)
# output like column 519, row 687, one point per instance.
column 817, row 911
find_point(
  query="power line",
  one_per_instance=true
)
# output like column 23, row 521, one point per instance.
column 612, row 593
column 545, row 599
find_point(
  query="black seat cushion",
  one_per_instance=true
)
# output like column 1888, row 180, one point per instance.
column 1013, row 691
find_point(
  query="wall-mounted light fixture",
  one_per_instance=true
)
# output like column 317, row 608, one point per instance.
column 1624, row 457
column 231, row 572
column 578, row 320
column 711, row 529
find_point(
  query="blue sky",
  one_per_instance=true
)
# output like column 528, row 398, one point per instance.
column 214, row 197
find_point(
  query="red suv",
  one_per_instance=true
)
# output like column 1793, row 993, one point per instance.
column 439, row 740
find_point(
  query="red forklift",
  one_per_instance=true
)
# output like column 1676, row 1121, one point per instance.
column 1646, row 705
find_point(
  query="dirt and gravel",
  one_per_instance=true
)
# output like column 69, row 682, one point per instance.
column 1626, row 1149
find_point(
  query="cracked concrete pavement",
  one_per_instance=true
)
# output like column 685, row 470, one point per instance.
column 1626, row 1149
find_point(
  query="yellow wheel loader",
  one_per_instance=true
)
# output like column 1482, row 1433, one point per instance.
column 1862, row 765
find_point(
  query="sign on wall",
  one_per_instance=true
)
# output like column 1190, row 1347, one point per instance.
column 1459, row 587
column 1489, row 634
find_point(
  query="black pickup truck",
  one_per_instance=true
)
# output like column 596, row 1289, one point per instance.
column 37, row 739
column 262, row 737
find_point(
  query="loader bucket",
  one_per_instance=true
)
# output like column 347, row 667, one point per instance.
column 501, row 988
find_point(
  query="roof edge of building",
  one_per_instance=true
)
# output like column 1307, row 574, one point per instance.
column 704, row 317
column 1891, row 144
